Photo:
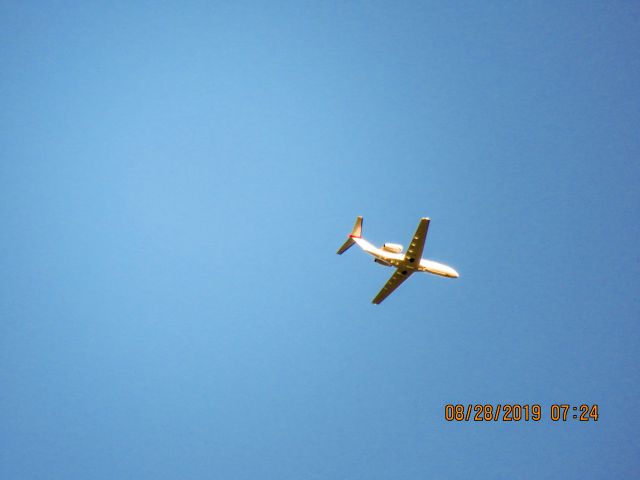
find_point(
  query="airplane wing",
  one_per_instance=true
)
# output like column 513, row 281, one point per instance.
column 394, row 282
column 414, row 250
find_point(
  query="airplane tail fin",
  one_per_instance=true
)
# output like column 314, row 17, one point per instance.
column 356, row 232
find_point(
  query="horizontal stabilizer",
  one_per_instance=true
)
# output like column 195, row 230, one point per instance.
column 356, row 232
column 345, row 246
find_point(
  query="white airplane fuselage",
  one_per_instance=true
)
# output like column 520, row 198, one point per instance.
column 391, row 255
column 398, row 260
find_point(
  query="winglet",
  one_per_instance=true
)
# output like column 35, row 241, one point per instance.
column 356, row 232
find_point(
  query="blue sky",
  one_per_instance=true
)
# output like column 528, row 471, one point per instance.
column 175, row 180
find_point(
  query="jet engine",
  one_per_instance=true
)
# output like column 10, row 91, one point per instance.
column 392, row 247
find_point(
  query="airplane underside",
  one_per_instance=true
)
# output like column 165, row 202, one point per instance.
column 426, row 266
column 391, row 255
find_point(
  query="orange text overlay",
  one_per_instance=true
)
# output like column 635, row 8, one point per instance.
column 516, row 412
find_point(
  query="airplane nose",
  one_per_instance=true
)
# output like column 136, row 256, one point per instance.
column 454, row 274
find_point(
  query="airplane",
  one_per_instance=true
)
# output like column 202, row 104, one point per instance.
column 390, row 255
